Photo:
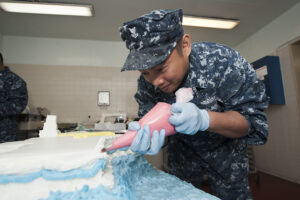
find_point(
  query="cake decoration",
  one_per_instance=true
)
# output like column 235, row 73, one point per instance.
column 69, row 168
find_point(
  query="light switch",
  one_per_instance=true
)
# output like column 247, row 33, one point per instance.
column 103, row 98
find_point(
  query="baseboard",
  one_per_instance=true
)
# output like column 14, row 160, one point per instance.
column 294, row 180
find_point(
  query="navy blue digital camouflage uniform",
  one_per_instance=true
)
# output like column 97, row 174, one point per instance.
column 13, row 100
column 222, row 80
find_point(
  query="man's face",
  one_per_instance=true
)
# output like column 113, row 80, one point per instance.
column 168, row 75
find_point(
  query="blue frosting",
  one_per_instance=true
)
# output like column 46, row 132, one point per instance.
column 134, row 177
column 101, row 192
column 54, row 175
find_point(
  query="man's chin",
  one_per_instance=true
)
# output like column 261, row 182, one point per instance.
column 167, row 90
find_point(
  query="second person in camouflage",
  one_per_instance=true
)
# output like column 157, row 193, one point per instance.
column 13, row 100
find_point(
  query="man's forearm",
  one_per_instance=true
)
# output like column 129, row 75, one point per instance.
column 229, row 124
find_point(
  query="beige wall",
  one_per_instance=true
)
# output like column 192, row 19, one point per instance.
column 1, row 39
column 70, row 92
column 280, row 156
column 295, row 56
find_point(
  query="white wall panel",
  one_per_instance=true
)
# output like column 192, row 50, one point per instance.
column 63, row 52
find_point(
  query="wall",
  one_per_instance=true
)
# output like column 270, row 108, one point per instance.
column 63, row 52
column 1, row 38
column 295, row 51
column 64, row 75
column 281, row 30
column 280, row 156
column 70, row 92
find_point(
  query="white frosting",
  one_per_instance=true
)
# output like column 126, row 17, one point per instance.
column 12, row 146
column 50, row 127
column 59, row 154
column 40, row 187
column 70, row 168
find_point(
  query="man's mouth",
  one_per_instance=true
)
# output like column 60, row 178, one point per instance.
column 164, row 88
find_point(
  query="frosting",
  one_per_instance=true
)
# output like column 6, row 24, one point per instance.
column 42, row 187
column 84, row 134
column 55, row 153
column 53, row 164
column 134, row 179
column 54, row 175
column 71, row 168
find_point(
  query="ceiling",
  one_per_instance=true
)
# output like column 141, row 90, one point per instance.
column 110, row 14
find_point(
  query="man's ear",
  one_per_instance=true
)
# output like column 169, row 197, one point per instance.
column 186, row 45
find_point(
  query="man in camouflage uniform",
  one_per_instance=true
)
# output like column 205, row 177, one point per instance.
column 225, row 115
column 13, row 100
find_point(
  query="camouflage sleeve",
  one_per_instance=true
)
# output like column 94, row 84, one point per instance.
column 15, row 99
column 240, row 90
column 144, row 97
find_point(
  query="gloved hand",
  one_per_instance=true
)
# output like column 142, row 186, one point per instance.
column 188, row 118
column 141, row 142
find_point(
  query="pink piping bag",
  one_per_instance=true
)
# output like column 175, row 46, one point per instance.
column 157, row 118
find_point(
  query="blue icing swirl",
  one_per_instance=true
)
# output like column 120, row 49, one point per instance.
column 99, row 192
column 55, row 175
column 134, row 178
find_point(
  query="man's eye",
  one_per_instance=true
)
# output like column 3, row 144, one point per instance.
column 160, row 69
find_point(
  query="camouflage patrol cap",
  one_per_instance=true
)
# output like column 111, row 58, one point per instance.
column 151, row 38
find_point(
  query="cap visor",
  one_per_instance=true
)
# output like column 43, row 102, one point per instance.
column 147, row 58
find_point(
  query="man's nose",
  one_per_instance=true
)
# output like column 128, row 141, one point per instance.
column 157, row 81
